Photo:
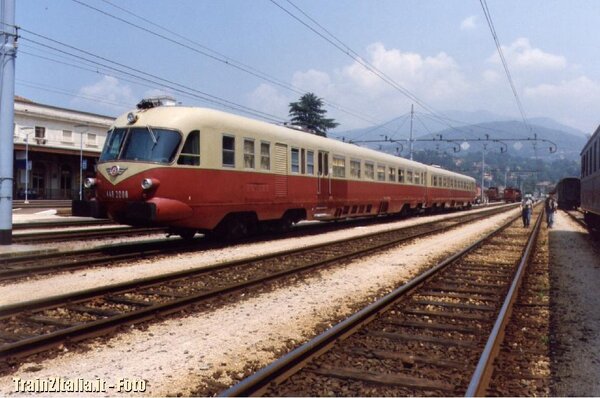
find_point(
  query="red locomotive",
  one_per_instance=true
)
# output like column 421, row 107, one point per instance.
column 197, row 169
column 493, row 194
column 512, row 195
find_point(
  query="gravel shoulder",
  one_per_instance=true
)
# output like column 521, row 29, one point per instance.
column 204, row 351
column 575, row 300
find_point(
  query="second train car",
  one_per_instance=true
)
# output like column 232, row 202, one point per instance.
column 568, row 192
column 590, row 180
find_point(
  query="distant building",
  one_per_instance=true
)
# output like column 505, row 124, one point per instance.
column 53, row 139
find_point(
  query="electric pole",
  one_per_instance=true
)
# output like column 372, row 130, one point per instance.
column 410, row 142
column 8, row 53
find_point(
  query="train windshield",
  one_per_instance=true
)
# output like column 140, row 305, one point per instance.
column 112, row 147
column 141, row 144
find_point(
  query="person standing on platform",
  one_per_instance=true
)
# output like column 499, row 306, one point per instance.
column 550, row 206
column 526, row 209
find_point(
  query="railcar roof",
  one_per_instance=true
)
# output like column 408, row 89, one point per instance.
column 592, row 138
column 188, row 118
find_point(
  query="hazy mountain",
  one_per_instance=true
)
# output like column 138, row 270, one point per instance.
column 518, row 139
column 553, row 124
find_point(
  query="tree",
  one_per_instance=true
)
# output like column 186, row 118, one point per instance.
column 309, row 113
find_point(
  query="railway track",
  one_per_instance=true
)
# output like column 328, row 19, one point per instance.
column 523, row 365
column 60, row 224
column 82, row 234
column 42, row 204
column 436, row 335
column 39, row 325
column 33, row 265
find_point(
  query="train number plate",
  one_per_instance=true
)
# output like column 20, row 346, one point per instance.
column 113, row 194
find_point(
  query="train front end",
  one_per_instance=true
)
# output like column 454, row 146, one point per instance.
column 135, row 182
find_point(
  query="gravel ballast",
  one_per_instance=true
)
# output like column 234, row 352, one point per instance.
column 205, row 351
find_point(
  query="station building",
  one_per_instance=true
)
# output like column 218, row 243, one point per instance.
column 49, row 143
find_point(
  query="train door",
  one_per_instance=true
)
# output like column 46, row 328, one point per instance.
column 281, row 170
column 323, row 177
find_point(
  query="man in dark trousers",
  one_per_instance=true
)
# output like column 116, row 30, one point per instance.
column 526, row 209
column 550, row 206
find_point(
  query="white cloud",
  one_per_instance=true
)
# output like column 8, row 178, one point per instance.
column 557, row 101
column 268, row 99
column 110, row 90
column 468, row 23
column 312, row 80
column 436, row 80
column 431, row 78
column 490, row 76
column 520, row 54
column 440, row 82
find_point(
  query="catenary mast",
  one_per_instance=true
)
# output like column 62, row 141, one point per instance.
column 8, row 53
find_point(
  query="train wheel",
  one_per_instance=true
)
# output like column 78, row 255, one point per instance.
column 235, row 227
column 285, row 224
column 238, row 229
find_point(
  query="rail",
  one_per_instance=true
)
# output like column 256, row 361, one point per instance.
column 280, row 369
column 483, row 371
column 172, row 299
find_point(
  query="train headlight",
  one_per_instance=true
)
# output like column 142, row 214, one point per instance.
column 149, row 183
column 89, row 183
column 131, row 118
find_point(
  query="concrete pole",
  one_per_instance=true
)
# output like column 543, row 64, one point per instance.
column 26, row 168
column 80, row 163
column 410, row 142
column 483, row 172
column 8, row 53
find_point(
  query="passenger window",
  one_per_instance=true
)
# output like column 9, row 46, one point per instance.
column 248, row 153
column 228, row 151
column 339, row 167
column 265, row 156
column 310, row 162
column 355, row 168
column 418, row 178
column 380, row 173
column 295, row 160
column 369, row 171
column 303, row 161
column 409, row 176
column 392, row 174
column 401, row 176
column 190, row 153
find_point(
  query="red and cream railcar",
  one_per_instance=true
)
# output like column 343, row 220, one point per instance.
column 196, row 169
column 590, row 180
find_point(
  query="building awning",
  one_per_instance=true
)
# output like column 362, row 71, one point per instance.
column 60, row 151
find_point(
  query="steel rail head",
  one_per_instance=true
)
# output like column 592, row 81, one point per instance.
column 481, row 375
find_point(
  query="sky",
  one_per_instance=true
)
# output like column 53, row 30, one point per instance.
column 251, row 57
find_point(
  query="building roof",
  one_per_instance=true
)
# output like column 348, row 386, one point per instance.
column 27, row 101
